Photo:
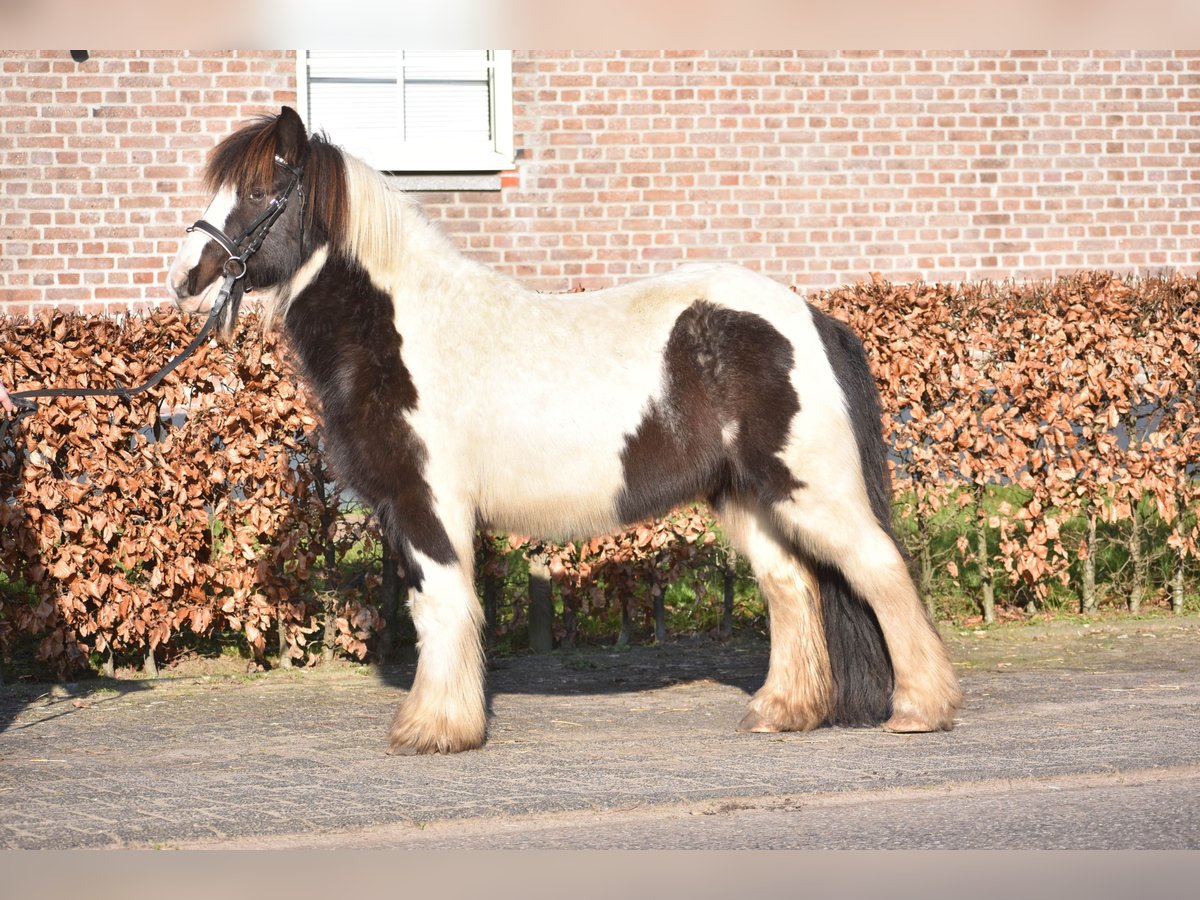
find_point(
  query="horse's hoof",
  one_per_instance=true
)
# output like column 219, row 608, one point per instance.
column 410, row 746
column 756, row 723
column 408, row 738
column 912, row 723
column 906, row 725
column 930, row 711
column 769, row 714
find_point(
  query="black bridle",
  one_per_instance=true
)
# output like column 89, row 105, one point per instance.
column 246, row 244
column 226, row 304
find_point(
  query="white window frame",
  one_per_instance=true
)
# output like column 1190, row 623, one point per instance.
column 415, row 159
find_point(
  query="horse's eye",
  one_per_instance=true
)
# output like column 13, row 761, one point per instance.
column 256, row 194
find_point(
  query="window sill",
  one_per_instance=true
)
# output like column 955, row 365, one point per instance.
column 445, row 181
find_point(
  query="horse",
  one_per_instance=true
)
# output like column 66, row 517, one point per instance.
column 456, row 398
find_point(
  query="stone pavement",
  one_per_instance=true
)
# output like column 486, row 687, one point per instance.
column 596, row 747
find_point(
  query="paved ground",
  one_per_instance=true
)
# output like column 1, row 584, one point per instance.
column 1070, row 737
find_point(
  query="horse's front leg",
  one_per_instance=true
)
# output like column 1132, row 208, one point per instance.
column 445, row 710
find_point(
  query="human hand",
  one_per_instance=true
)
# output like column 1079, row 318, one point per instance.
column 5, row 402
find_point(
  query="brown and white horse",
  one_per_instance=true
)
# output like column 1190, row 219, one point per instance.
column 455, row 397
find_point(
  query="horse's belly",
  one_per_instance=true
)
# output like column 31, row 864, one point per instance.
column 560, row 480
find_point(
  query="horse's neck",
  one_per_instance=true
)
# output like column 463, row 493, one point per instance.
column 427, row 269
column 408, row 256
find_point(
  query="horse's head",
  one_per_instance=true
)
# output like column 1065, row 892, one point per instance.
column 259, row 226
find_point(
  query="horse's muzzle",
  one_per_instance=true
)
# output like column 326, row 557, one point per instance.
column 190, row 303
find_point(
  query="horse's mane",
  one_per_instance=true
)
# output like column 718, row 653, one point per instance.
column 247, row 157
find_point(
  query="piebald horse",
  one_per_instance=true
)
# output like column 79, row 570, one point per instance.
column 454, row 397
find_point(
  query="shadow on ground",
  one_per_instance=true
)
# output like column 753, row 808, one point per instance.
column 58, row 700
column 1154, row 644
column 741, row 663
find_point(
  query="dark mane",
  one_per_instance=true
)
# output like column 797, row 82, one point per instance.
column 247, row 157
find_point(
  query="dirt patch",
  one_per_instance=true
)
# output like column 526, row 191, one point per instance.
column 1166, row 644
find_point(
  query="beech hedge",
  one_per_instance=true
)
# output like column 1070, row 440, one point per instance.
column 129, row 529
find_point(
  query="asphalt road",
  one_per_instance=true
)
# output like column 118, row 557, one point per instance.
column 1071, row 737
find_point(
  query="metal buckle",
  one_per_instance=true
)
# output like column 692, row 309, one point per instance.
column 228, row 271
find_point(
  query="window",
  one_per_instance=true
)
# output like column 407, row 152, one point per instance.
column 412, row 110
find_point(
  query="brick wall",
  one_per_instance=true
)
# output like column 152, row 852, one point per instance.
column 99, row 165
column 816, row 168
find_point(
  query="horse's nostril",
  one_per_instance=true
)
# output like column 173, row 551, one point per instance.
column 191, row 282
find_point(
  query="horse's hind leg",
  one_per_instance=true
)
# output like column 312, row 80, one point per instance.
column 445, row 710
column 836, row 524
column 797, row 693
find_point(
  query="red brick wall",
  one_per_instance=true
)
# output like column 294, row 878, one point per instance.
column 816, row 168
column 99, row 164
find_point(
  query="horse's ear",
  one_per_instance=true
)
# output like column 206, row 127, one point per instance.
column 291, row 137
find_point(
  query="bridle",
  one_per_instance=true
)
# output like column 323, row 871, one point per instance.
column 226, row 305
column 246, row 244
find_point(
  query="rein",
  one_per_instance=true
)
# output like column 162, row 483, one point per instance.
column 227, row 303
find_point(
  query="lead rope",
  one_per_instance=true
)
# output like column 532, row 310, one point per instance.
column 230, row 296
column 227, row 303
column 231, row 287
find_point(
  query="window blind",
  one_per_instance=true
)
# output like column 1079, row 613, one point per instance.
column 413, row 110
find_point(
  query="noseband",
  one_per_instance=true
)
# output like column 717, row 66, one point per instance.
column 240, row 249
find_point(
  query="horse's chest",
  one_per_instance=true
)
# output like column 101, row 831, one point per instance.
column 351, row 354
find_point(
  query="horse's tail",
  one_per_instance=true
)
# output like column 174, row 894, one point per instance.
column 858, row 655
